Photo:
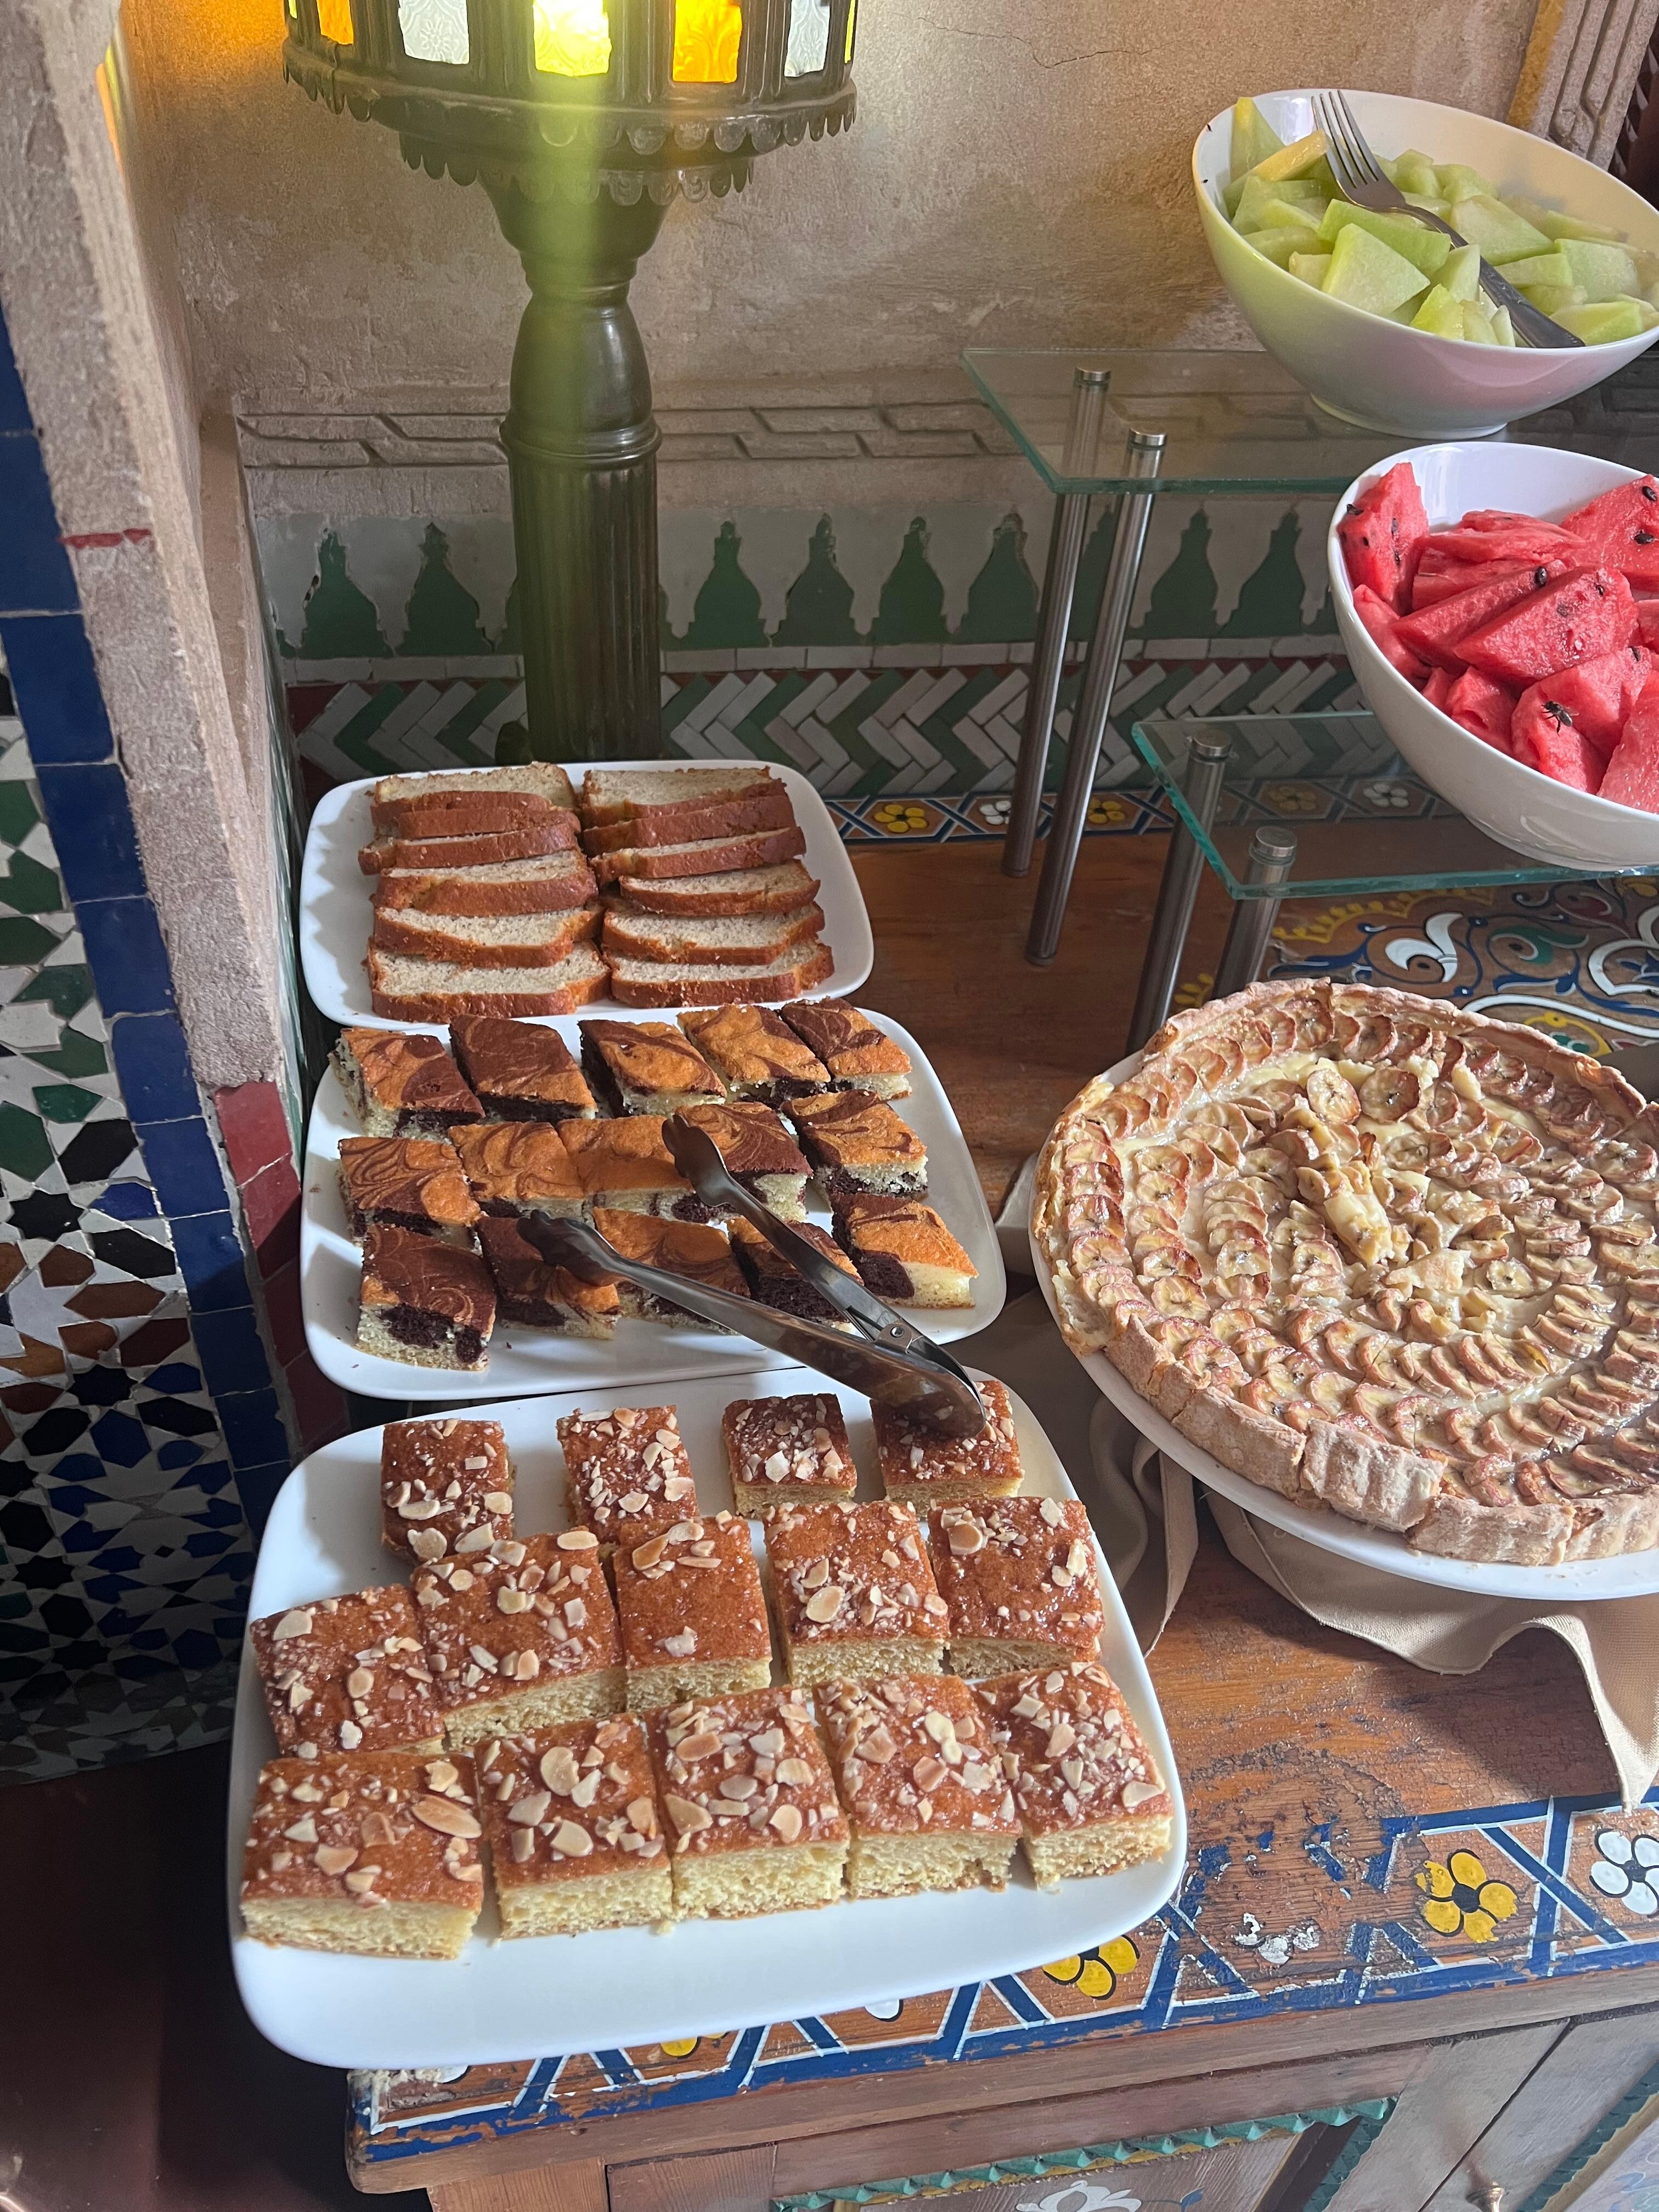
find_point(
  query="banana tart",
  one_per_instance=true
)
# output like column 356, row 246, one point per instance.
column 1379, row 1254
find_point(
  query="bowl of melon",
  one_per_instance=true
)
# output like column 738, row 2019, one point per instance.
column 1379, row 316
column 1500, row 607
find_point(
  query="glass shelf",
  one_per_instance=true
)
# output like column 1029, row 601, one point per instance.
column 1236, row 423
column 1363, row 821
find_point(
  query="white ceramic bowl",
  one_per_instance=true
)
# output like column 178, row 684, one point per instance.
column 1383, row 375
column 1516, row 805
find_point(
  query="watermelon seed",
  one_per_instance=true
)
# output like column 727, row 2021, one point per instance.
column 1648, row 490
column 1644, row 537
column 1540, row 577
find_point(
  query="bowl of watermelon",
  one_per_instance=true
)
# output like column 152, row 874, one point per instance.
column 1500, row 607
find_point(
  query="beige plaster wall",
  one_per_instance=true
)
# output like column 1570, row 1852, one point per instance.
column 1018, row 174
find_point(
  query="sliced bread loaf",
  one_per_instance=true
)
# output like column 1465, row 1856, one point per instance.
column 706, row 983
column 732, row 818
column 552, row 833
column 547, row 885
column 734, row 890
column 721, row 942
column 435, row 990
column 704, row 857
column 542, row 782
column 466, row 814
column 611, row 795
column 485, row 940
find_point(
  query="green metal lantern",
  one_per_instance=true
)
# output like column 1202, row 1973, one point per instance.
column 583, row 119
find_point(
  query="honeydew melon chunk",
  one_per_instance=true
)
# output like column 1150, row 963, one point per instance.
column 1440, row 314
column 1550, row 299
column 1310, row 268
column 1501, row 235
column 1572, row 225
column 1647, row 270
column 1415, row 173
column 1539, row 268
column 1430, row 205
column 1279, row 244
column 1653, row 293
column 1414, row 241
column 1272, row 213
column 1254, row 138
column 1647, row 312
column 1256, row 196
column 1503, row 326
column 1461, row 272
column 1457, row 181
column 1368, row 274
column 1603, row 322
column 1607, row 272
column 1477, row 323
column 1293, row 161
column 1532, row 211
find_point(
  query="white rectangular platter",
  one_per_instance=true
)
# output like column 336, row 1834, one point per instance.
column 337, row 910
column 525, row 1360
column 542, row 1996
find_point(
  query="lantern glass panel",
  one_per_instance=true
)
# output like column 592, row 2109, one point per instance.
column 707, row 37
column 809, row 38
column 435, row 30
column 852, row 22
column 573, row 38
column 334, row 22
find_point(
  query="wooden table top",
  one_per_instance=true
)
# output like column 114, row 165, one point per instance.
column 1362, row 1833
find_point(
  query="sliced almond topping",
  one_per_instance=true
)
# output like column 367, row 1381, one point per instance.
column 421, row 1509
column 642, row 1815
column 634, row 1501
column 767, row 1744
column 335, row 1858
column 448, row 1818
column 302, row 1831
column 878, row 1745
column 524, row 1845
column 297, row 1622
column 427, row 1543
column 1061, row 1737
column 786, row 1820
column 1051, row 1512
column 824, row 1604
column 1136, row 1793
column 362, row 1880
column 740, row 1786
column 699, row 1746
column 940, row 1726
column 816, row 1576
column 558, row 1770
column 350, row 1736
column 530, row 1809
column 681, row 1646
column 967, row 1537
column 791, row 1772
column 442, row 1776
column 376, row 1829
column 476, row 1539
column 587, row 1789
column 928, row 1773
column 575, row 1612
column 687, row 1817
column 498, row 1501
column 513, row 1600
column 574, row 1842
column 648, row 1553
column 359, row 1682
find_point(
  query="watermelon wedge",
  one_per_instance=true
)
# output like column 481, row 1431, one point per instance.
column 1646, row 619
column 1438, row 688
column 1632, row 773
column 1381, row 620
column 1382, row 534
column 1489, row 519
column 1486, row 709
column 1574, row 617
column 1431, row 585
column 1556, row 750
column 1621, row 529
column 1433, row 633
column 1533, row 541
column 1593, row 701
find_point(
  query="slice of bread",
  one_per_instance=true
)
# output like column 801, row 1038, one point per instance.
column 612, row 794
column 704, row 983
column 546, row 885
column 541, row 781
column 721, row 942
column 467, row 814
column 485, row 940
column 433, row 990
column 732, row 818
column 735, row 891
column 704, row 857
column 552, row 833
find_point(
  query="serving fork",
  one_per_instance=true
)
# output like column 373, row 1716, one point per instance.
column 1361, row 179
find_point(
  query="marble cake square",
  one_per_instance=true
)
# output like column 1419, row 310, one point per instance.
column 515, row 1168
column 756, row 1054
column 445, row 1485
column 574, row 1831
column 693, row 1612
column 519, row 1071
column 523, row 1636
column 627, row 1467
column 424, row 1302
column 625, row 1165
column 905, row 1252
column 646, row 1067
column 758, row 1151
column 787, row 1451
column 926, row 1469
column 916, row 1764
column 859, row 1145
column 698, row 1250
column 854, row 1594
column 1090, row 1797
column 374, row 1853
column 348, row 1673
column 534, row 1294
column 855, row 1051
column 402, row 1084
column 1018, row 1576
column 407, row 1183
column 750, row 1805
column 774, row 1282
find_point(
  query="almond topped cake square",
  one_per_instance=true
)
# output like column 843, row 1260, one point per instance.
column 646, row 1067
column 627, row 1466
column 348, row 1673
column 926, row 1468
column 575, row 1835
column 856, row 1596
column 522, row 1636
column 785, row 1451
column 922, row 1785
column 1090, row 1799
column 407, row 1183
column 756, row 1054
column 521, row 1070
column 515, row 1168
column 402, row 1084
column 371, row 1852
column 750, row 1803
column 859, row 1145
column 445, row 1485
column 692, row 1611
column 1018, row 1576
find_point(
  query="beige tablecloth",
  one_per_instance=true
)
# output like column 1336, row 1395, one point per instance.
column 1146, row 1510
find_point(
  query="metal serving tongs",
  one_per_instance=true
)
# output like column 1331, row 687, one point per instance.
column 888, row 1359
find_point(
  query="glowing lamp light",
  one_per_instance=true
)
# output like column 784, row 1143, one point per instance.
column 583, row 119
